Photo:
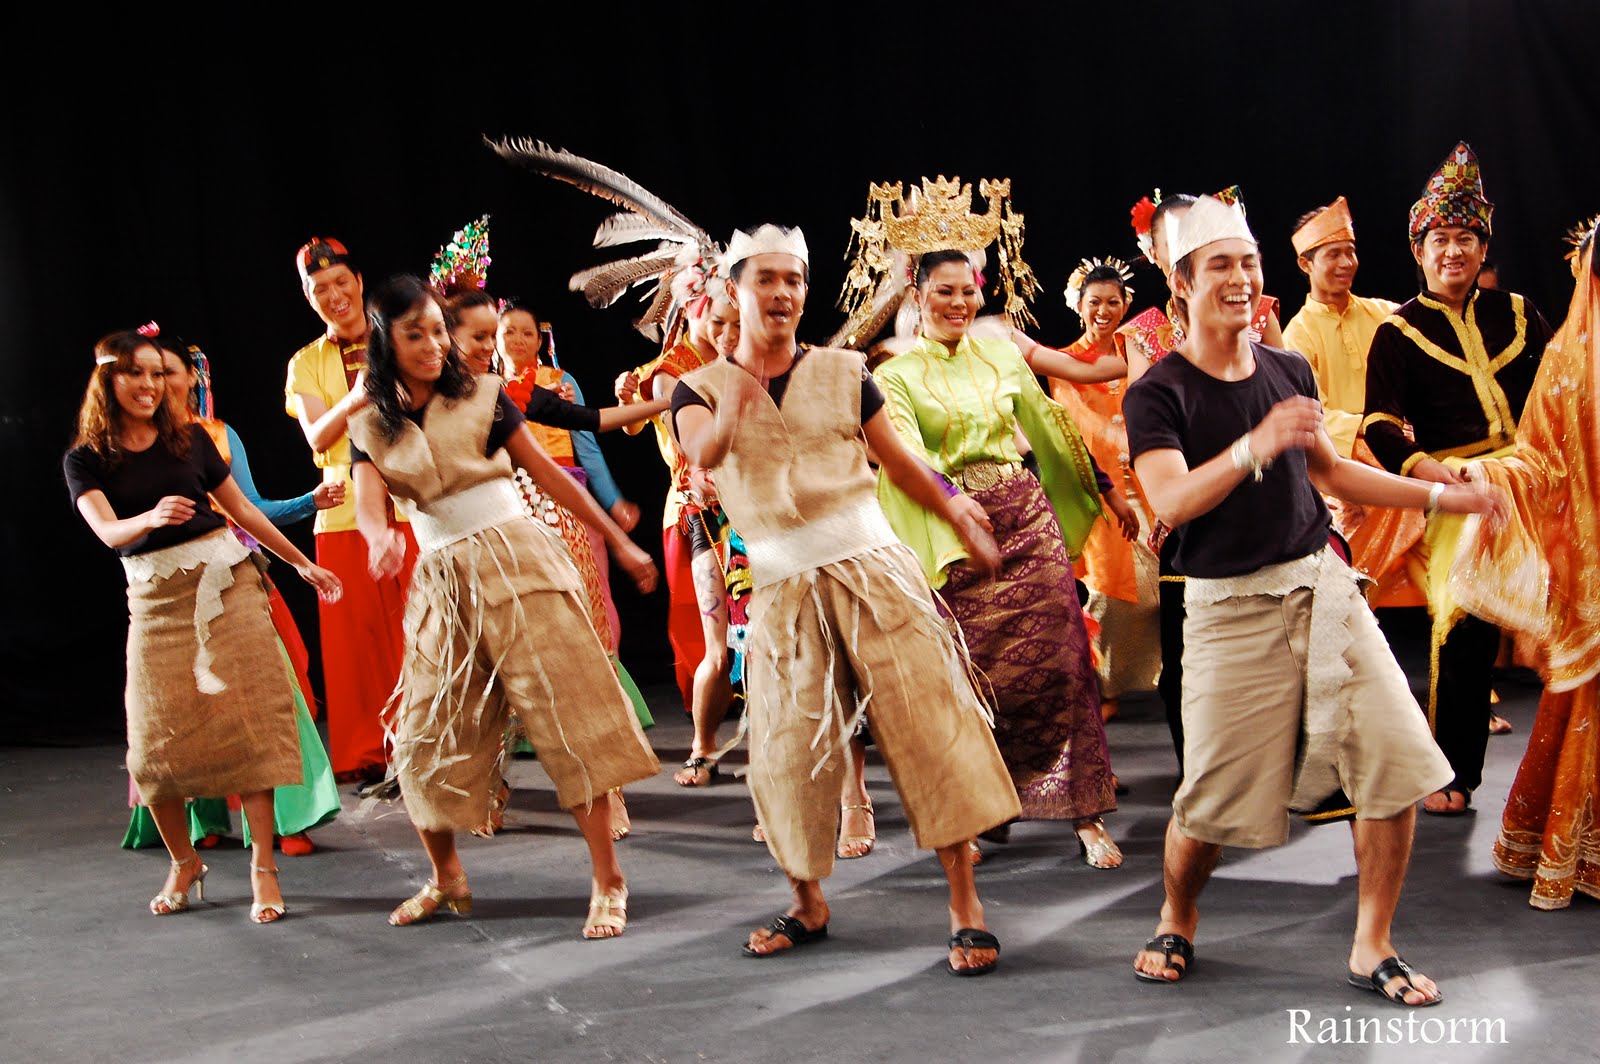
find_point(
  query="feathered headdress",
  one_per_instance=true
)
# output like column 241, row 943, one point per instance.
column 464, row 261
column 685, row 257
column 1074, row 290
column 937, row 216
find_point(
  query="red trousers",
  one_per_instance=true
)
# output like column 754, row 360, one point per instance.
column 683, row 613
column 362, row 647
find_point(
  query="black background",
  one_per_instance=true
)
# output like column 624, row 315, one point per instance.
column 166, row 168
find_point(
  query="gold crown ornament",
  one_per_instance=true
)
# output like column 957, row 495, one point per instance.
column 937, row 216
column 1579, row 237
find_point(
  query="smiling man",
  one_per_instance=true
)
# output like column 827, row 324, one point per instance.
column 842, row 624
column 362, row 644
column 1334, row 329
column 1227, row 438
column 1455, row 364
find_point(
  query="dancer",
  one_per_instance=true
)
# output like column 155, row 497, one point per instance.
column 958, row 400
column 1119, row 569
column 361, row 637
column 210, row 703
column 314, row 801
column 842, row 626
column 1227, row 438
column 1454, row 365
column 1537, row 576
column 494, row 623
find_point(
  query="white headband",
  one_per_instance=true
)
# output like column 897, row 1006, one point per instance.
column 767, row 240
column 1206, row 222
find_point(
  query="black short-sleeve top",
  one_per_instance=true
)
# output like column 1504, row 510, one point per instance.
column 138, row 480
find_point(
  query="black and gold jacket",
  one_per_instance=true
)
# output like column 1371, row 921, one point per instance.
column 1458, row 381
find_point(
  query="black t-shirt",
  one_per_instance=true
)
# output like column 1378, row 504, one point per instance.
column 507, row 420
column 871, row 396
column 140, row 479
column 545, row 407
column 1178, row 406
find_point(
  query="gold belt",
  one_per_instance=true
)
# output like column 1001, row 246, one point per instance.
column 985, row 474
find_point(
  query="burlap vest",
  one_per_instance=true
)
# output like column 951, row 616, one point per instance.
column 796, row 483
column 424, row 467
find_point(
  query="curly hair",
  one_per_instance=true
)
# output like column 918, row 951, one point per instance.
column 394, row 299
column 100, row 416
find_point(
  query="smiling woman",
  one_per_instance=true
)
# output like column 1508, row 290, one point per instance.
column 210, row 704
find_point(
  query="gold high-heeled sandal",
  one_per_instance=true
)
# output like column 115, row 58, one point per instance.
column 168, row 902
column 849, row 845
column 427, row 902
column 621, row 823
column 607, row 912
column 1100, row 851
column 260, row 909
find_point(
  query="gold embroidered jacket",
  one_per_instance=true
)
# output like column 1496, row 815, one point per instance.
column 1459, row 381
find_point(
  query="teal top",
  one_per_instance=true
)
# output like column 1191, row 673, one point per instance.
column 959, row 407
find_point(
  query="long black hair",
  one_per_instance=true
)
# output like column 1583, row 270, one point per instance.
column 396, row 298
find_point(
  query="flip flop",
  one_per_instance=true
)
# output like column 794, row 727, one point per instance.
column 1388, row 969
column 792, row 929
column 1466, row 806
column 1171, row 946
column 973, row 938
column 695, row 765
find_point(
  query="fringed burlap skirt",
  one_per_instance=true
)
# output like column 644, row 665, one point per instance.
column 187, row 743
column 857, row 637
column 497, row 624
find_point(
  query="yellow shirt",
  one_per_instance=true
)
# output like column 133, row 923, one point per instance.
column 1336, row 346
column 318, row 369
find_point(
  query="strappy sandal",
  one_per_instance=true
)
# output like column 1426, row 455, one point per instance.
column 1100, row 851
column 1466, row 804
column 426, row 903
column 1388, row 969
column 266, row 912
column 974, row 855
column 853, row 846
column 497, row 812
column 970, row 938
column 792, row 929
column 690, row 774
column 1170, row 946
column 621, row 823
column 607, row 912
column 176, row 901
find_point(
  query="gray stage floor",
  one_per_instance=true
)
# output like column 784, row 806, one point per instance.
column 90, row 976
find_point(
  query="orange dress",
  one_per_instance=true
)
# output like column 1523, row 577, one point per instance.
column 1122, row 577
column 1537, row 575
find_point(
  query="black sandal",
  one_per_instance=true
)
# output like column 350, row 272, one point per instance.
column 792, row 929
column 1387, row 969
column 695, row 764
column 1171, row 946
column 973, row 938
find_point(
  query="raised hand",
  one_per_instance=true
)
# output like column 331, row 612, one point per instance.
column 1291, row 425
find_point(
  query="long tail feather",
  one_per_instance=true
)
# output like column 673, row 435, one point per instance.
column 604, row 285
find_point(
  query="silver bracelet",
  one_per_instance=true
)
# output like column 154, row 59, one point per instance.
column 1433, row 499
column 1244, row 458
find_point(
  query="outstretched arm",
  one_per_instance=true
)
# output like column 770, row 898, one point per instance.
column 244, row 514
column 1053, row 363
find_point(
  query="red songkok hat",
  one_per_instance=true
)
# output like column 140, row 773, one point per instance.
column 319, row 253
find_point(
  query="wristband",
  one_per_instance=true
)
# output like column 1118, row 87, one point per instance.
column 1433, row 499
column 1244, row 458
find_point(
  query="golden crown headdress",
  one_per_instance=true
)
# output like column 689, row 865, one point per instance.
column 1579, row 236
column 937, row 216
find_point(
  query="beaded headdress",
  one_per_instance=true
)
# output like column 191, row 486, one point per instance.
column 937, row 216
column 1453, row 197
column 464, row 261
column 1075, row 282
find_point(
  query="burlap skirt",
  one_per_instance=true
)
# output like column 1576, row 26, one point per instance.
column 183, row 743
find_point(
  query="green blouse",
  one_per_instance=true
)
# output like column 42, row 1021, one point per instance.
column 962, row 407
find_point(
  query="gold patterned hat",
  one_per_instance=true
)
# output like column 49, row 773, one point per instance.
column 1332, row 223
column 937, row 216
